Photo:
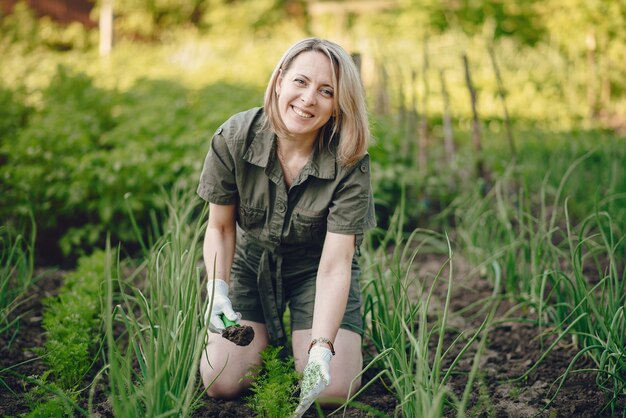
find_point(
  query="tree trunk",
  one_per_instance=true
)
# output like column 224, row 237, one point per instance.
column 106, row 27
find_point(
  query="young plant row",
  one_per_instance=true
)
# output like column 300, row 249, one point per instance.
column 72, row 322
column 408, row 323
column 152, row 363
column 569, row 269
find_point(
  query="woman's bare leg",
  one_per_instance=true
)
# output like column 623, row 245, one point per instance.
column 224, row 364
column 345, row 366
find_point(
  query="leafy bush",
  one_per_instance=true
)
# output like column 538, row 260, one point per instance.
column 87, row 148
column 50, row 163
column 13, row 114
column 275, row 385
column 23, row 26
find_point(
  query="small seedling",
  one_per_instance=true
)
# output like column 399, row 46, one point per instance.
column 275, row 385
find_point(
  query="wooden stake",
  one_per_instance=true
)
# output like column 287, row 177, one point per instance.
column 411, row 129
column 448, row 133
column 476, row 134
column 382, row 96
column 507, row 121
column 423, row 134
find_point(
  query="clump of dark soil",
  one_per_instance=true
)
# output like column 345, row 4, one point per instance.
column 239, row 334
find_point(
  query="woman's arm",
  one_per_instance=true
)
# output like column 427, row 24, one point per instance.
column 219, row 241
column 332, row 284
column 331, row 296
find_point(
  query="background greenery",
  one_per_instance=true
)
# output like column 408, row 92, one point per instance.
column 81, row 133
column 91, row 147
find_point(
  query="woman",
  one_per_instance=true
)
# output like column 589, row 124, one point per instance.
column 290, row 199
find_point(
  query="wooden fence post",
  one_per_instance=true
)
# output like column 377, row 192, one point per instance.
column 448, row 133
column 106, row 27
column 412, row 116
column 423, row 131
column 382, row 95
column 507, row 120
column 476, row 134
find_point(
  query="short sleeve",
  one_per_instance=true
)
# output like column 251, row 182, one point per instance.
column 217, row 180
column 352, row 208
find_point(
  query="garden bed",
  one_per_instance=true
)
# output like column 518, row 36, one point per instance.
column 513, row 348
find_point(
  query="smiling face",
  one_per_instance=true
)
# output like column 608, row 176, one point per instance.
column 306, row 96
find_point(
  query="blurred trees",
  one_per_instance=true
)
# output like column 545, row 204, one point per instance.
column 148, row 19
column 507, row 18
column 565, row 22
column 589, row 36
column 596, row 31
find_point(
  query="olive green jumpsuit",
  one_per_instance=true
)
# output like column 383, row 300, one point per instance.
column 280, row 230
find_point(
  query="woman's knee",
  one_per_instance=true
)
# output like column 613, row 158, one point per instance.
column 221, row 389
column 339, row 392
column 224, row 366
column 220, row 382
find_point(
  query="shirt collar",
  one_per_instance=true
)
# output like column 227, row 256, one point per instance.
column 261, row 147
column 322, row 165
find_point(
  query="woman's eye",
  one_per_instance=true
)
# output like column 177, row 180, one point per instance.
column 327, row 93
column 299, row 81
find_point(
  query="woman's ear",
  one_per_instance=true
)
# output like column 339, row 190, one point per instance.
column 279, row 82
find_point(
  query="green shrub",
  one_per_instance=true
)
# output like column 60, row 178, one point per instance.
column 275, row 385
column 13, row 114
column 23, row 26
column 86, row 148
column 50, row 164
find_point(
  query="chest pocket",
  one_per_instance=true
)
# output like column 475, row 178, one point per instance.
column 251, row 219
column 309, row 226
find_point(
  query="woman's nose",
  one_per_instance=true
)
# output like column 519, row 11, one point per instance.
column 308, row 97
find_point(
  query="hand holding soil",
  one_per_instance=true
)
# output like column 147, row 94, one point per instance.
column 241, row 335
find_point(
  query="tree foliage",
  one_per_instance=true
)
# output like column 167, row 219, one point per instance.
column 154, row 18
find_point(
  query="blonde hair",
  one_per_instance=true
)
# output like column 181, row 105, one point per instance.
column 349, row 123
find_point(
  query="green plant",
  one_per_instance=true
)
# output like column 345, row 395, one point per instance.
column 13, row 112
column 410, row 345
column 274, row 386
column 16, row 273
column 24, row 27
column 84, row 147
column 48, row 400
column 152, row 365
column 72, row 321
column 588, row 303
column 566, row 266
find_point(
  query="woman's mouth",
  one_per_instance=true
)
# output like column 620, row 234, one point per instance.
column 301, row 112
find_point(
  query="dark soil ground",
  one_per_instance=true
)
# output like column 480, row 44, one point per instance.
column 513, row 347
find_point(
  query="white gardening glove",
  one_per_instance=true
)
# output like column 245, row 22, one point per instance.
column 221, row 305
column 315, row 378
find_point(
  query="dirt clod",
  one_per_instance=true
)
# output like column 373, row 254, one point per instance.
column 240, row 335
